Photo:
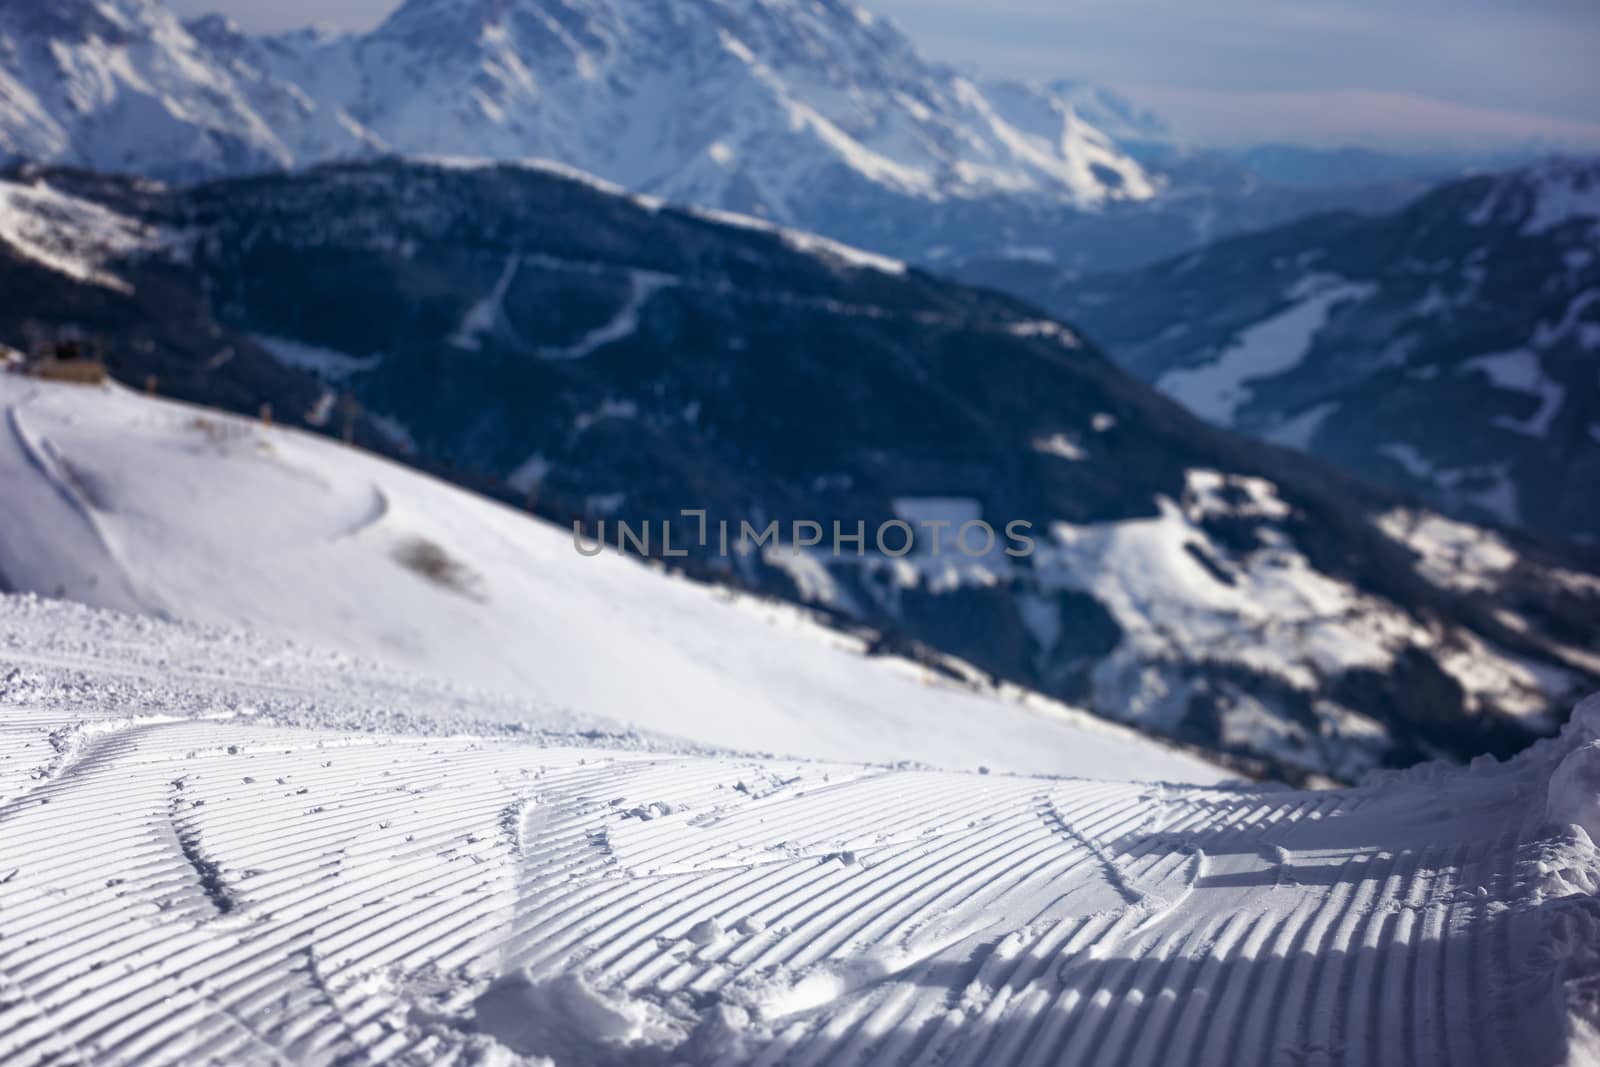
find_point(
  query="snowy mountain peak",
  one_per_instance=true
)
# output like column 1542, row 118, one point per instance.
column 215, row 30
column 81, row 20
column 777, row 109
column 122, row 85
column 1112, row 113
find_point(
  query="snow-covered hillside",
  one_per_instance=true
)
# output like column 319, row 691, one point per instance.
column 146, row 506
column 220, row 849
column 1448, row 349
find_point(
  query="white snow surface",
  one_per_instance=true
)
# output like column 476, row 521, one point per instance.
column 122, row 501
column 216, row 847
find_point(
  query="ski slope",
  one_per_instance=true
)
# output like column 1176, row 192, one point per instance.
column 121, row 501
column 221, row 848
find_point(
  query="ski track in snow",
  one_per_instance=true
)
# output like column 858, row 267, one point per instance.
column 642, row 286
column 197, row 868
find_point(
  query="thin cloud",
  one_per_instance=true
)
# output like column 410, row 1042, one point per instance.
column 1480, row 71
column 1531, row 59
column 1370, row 117
column 259, row 16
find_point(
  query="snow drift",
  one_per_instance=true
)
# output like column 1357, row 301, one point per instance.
column 218, row 848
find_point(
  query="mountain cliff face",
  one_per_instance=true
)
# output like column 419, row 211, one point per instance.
column 1448, row 350
column 604, row 357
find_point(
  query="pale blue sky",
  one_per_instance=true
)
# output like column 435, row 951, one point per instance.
column 1413, row 72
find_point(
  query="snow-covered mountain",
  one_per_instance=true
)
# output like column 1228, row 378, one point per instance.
column 816, row 115
column 219, row 848
column 1449, row 349
column 1137, row 130
column 605, row 357
column 121, row 85
column 748, row 105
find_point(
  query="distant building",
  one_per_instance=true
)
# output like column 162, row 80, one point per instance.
column 74, row 360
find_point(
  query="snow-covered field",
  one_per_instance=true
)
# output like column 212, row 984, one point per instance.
column 219, row 848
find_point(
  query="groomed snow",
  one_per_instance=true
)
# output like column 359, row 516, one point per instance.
column 216, row 848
